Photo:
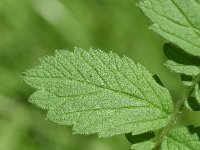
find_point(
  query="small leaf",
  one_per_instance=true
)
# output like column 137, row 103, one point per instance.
column 181, row 62
column 99, row 93
column 181, row 138
column 182, row 69
column 172, row 52
column 186, row 79
column 147, row 145
column 178, row 21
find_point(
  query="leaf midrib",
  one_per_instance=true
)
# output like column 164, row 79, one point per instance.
column 104, row 88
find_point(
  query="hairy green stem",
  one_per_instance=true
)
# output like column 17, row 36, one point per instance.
column 176, row 113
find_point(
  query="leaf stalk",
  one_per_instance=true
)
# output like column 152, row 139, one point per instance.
column 176, row 113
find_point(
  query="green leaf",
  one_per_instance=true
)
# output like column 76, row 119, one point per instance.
column 186, row 79
column 96, row 92
column 147, row 145
column 182, row 69
column 181, row 138
column 178, row 21
column 142, row 141
column 172, row 52
column 181, row 62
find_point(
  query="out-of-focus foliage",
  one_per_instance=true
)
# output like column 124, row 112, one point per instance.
column 30, row 29
column 23, row 128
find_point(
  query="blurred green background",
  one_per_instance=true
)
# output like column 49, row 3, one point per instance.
column 30, row 29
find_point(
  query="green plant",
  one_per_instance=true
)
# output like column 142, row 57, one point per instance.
column 102, row 93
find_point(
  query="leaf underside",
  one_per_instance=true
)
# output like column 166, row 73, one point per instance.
column 101, row 93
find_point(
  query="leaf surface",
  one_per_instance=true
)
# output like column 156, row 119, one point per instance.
column 182, row 138
column 178, row 21
column 96, row 92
